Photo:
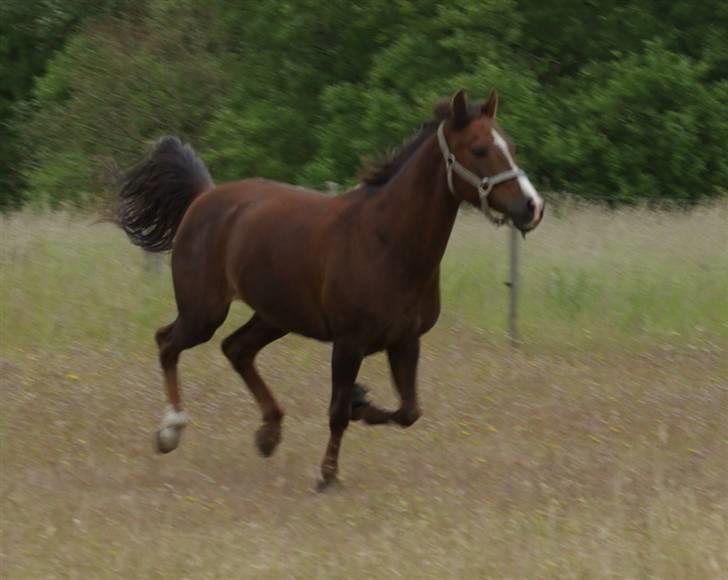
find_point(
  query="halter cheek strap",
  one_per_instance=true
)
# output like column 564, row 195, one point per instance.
column 484, row 185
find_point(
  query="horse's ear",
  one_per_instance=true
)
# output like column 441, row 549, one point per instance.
column 489, row 108
column 459, row 108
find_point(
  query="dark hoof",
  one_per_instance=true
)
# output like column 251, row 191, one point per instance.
column 357, row 413
column 406, row 417
column 328, row 485
column 267, row 438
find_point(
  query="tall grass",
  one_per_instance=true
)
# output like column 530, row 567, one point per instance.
column 595, row 277
column 591, row 277
column 527, row 464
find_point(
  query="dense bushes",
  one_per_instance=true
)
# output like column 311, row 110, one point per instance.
column 624, row 102
column 647, row 125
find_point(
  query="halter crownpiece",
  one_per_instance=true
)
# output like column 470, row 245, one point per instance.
column 484, row 185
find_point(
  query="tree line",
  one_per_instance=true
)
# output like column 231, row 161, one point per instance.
column 622, row 101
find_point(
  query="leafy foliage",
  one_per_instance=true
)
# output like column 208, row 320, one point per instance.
column 647, row 125
column 30, row 33
column 624, row 101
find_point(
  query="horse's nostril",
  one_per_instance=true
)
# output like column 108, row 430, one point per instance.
column 531, row 205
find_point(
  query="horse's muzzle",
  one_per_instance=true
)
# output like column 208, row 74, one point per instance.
column 529, row 218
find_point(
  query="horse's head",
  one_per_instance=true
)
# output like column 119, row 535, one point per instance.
column 481, row 166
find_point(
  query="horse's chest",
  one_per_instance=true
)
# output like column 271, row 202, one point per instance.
column 383, row 307
column 405, row 317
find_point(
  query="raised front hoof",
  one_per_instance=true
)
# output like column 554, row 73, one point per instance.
column 168, row 439
column 370, row 414
column 406, row 417
column 267, row 438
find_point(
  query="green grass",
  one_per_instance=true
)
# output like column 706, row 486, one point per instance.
column 631, row 278
column 591, row 278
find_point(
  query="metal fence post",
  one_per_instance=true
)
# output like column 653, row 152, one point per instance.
column 513, row 284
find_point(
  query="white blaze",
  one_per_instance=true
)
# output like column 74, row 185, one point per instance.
column 524, row 183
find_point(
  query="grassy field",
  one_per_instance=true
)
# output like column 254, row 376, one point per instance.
column 598, row 450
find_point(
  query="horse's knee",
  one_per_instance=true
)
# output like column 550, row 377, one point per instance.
column 181, row 335
column 203, row 332
column 236, row 352
column 161, row 335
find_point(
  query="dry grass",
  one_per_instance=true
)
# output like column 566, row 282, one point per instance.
column 626, row 279
column 566, row 460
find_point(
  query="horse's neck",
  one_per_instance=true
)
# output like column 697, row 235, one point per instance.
column 416, row 211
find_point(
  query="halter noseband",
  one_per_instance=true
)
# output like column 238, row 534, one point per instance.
column 484, row 185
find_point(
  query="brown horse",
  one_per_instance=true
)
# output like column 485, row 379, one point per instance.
column 360, row 270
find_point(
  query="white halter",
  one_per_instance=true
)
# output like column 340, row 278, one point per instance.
column 484, row 185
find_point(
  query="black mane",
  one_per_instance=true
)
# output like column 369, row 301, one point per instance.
column 383, row 171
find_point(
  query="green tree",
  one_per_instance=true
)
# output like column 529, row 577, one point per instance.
column 461, row 44
column 118, row 85
column 620, row 100
column 30, row 34
column 647, row 125
column 288, row 57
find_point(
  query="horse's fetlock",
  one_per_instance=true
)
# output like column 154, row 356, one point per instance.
column 329, row 468
column 409, row 416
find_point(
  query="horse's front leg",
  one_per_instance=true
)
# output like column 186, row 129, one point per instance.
column 345, row 364
column 403, row 359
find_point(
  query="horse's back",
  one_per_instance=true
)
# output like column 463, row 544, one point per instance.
column 267, row 190
column 254, row 201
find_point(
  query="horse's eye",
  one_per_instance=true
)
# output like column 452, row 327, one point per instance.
column 479, row 152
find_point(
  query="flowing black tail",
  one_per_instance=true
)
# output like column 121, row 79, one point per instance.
column 156, row 193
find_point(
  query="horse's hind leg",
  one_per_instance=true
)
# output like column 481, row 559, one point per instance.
column 183, row 333
column 240, row 348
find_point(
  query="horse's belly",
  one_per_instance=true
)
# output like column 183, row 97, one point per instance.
column 287, row 303
column 385, row 324
column 277, row 271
